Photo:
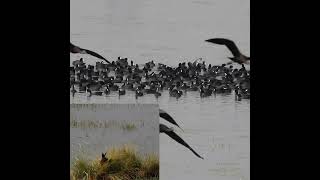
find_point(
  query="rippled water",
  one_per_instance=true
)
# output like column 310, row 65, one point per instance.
column 217, row 127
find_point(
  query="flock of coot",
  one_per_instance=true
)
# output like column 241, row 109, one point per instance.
column 150, row 78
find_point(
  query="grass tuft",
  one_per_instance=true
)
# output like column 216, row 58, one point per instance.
column 123, row 163
column 128, row 126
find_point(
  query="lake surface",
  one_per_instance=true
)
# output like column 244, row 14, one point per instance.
column 166, row 31
column 217, row 127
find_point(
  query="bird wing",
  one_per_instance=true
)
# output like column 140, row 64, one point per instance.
column 174, row 136
column 95, row 55
column 230, row 45
column 74, row 49
column 167, row 117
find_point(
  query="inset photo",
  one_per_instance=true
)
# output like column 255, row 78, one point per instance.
column 114, row 141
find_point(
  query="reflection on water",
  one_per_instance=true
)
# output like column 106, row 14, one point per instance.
column 166, row 31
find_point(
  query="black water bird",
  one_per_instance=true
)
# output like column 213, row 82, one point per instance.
column 168, row 118
column 175, row 93
column 122, row 92
column 97, row 93
column 113, row 87
column 238, row 56
column 139, row 93
column 168, row 131
column 73, row 91
column 107, row 91
column 89, row 91
column 76, row 49
column 157, row 94
column 237, row 94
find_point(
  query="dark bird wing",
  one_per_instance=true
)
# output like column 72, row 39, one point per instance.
column 74, row 49
column 167, row 117
column 95, row 55
column 173, row 135
column 230, row 45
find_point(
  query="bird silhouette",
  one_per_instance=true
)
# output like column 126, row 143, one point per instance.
column 76, row 49
column 168, row 131
column 238, row 56
column 167, row 117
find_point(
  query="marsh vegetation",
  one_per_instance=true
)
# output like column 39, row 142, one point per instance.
column 124, row 125
column 123, row 163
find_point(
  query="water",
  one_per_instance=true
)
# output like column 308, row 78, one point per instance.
column 217, row 127
column 166, row 31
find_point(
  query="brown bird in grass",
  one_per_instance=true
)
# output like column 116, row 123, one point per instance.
column 169, row 131
column 238, row 56
column 104, row 159
column 76, row 49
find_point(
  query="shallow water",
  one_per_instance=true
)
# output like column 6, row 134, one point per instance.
column 166, row 31
column 217, row 127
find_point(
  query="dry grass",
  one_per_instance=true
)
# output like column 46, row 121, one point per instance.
column 124, row 164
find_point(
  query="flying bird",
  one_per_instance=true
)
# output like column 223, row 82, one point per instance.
column 76, row 49
column 238, row 56
column 167, row 117
column 168, row 131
